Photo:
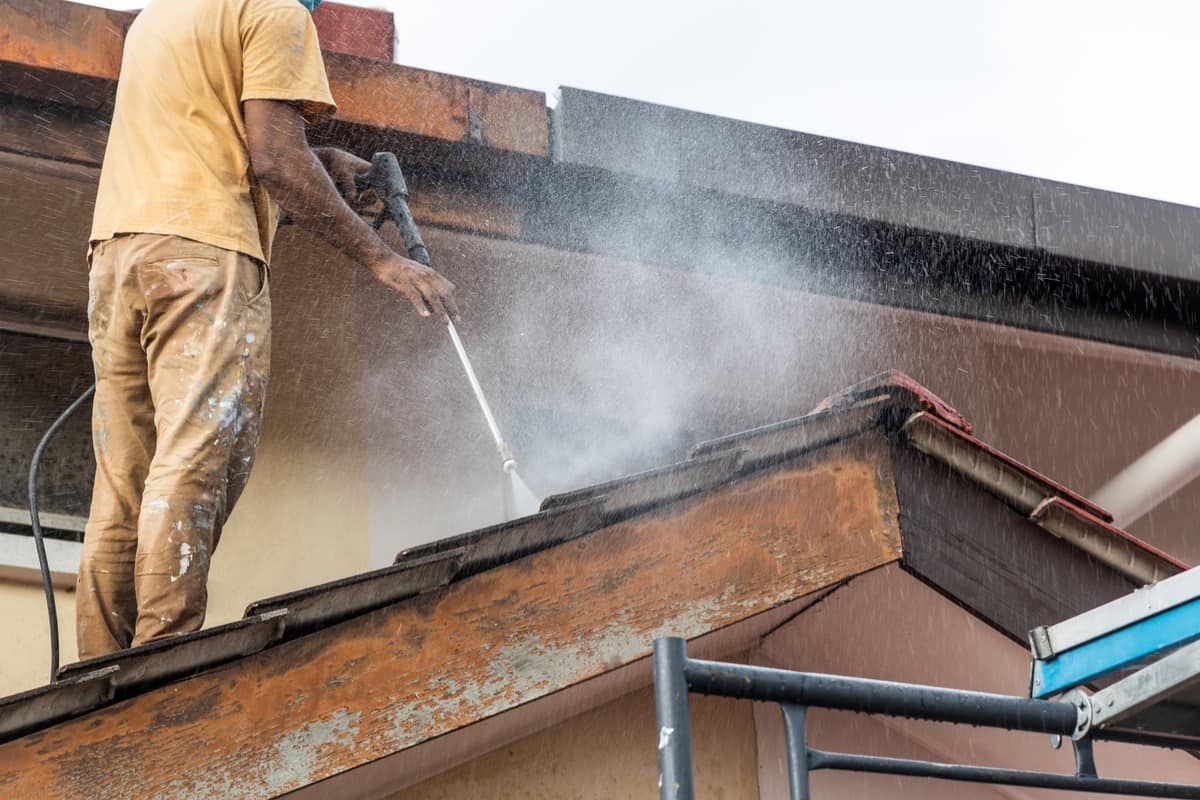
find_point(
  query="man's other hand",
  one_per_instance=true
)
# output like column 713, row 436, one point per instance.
column 343, row 168
column 424, row 287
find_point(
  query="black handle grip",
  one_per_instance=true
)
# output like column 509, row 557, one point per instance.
column 387, row 180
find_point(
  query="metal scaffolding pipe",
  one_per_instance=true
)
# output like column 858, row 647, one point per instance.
column 675, row 675
column 881, row 697
column 674, row 720
column 818, row 759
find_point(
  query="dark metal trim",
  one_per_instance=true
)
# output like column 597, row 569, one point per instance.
column 880, row 697
column 819, row 759
column 674, row 721
column 795, row 728
column 675, row 675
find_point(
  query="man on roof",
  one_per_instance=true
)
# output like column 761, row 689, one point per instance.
column 208, row 135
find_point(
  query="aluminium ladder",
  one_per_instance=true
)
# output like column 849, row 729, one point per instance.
column 1141, row 652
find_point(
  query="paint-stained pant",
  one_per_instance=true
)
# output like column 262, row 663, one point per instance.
column 180, row 335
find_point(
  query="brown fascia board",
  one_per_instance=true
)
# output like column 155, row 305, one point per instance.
column 996, row 561
column 1051, row 506
column 404, row 674
column 675, row 146
column 70, row 54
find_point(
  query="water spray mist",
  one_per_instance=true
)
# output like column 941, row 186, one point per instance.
column 386, row 179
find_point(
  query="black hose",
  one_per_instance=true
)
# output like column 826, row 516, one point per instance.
column 35, row 523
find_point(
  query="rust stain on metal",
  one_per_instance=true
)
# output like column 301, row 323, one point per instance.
column 74, row 38
column 437, row 105
column 64, row 52
column 402, row 675
column 390, row 96
column 511, row 119
column 71, row 53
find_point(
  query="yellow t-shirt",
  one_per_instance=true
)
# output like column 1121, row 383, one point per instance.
column 177, row 160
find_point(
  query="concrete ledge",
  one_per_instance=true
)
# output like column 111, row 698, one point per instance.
column 758, row 161
column 1120, row 229
column 18, row 560
column 680, row 147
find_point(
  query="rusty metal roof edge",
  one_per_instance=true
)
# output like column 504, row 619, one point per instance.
column 503, row 546
column 470, row 538
column 321, row 606
column 1106, row 543
column 709, row 465
column 90, row 685
column 570, row 516
column 267, row 623
column 893, row 394
column 575, row 514
column 283, row 600
column 799, row 435
column 213, row 645
column 904, row 391
column 601, row 505
column 607, row 488
column 43, row 706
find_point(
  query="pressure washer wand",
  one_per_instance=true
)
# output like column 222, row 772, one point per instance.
column 506, row 457
column 387, row 180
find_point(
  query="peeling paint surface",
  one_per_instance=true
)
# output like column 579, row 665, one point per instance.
column 664, row 737
column 322, row 704
column 299, row 752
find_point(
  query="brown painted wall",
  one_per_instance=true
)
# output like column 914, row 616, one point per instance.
column 597, row 367
column 608, row 752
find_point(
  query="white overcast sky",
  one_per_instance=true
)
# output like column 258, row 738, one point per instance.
column 1096, row 92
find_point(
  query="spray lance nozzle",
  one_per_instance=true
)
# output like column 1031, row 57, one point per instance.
column 386, row 179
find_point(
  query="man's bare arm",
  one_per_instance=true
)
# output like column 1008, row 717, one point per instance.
column 294, row 177
column 342, row 168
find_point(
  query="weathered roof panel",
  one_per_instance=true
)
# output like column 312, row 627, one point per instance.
column 388, row 680
column 44, row 706
column 320, row 606
column 891, row 404
column 172, row 659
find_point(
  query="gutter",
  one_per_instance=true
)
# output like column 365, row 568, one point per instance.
column 1040, row 501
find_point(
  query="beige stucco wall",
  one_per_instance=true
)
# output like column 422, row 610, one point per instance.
column 25, row 662
column 609, row 752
